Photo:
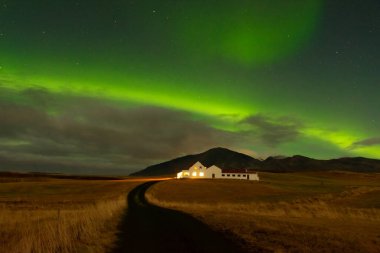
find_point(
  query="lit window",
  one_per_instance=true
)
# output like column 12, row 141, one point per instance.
column 194, row 174
column 201, row 174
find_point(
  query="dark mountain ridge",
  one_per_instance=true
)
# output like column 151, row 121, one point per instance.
column 228, row 159
column 221, row 157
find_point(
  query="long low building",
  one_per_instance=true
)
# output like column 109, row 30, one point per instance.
column 198, row 170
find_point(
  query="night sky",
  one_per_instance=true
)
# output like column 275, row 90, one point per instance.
column 114, row 86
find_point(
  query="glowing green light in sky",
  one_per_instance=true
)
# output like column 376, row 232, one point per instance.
column 203, row 57
column 249, row 32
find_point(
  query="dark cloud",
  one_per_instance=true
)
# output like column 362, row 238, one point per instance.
column 40, row 130
column 93, row 132
column 273, row 131
column 367, row 142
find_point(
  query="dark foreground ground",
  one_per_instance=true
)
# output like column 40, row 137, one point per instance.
column 147, row 228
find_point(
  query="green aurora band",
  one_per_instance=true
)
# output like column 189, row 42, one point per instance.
column 182, row 66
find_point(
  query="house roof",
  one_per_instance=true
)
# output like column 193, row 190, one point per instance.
column 198, row 165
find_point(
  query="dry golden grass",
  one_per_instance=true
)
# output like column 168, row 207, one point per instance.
column 299, row 212
column 60, row 215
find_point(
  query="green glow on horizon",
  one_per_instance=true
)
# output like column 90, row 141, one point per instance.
column 372, row 151
column 343, row 140
column 340, row 139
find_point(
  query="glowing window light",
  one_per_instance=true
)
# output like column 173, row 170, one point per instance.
column 194, row 174
column 201, row 174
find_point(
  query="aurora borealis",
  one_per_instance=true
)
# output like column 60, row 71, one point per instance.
column 119, row 85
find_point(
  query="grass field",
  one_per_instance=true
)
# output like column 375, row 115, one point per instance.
column 294, row 212
column 60, row 215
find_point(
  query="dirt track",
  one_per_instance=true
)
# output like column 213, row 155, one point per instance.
column 147, row 228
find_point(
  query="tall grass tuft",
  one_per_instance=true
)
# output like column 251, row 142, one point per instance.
column 66, row 229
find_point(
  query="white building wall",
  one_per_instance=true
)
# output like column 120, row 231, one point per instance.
column 241, row 176
column 213, row 172
column 254, row 177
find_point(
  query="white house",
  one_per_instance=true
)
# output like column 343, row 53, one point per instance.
column 198, row 170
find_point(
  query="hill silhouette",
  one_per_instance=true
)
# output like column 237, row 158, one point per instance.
column 228, row 159
column 221, row 157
